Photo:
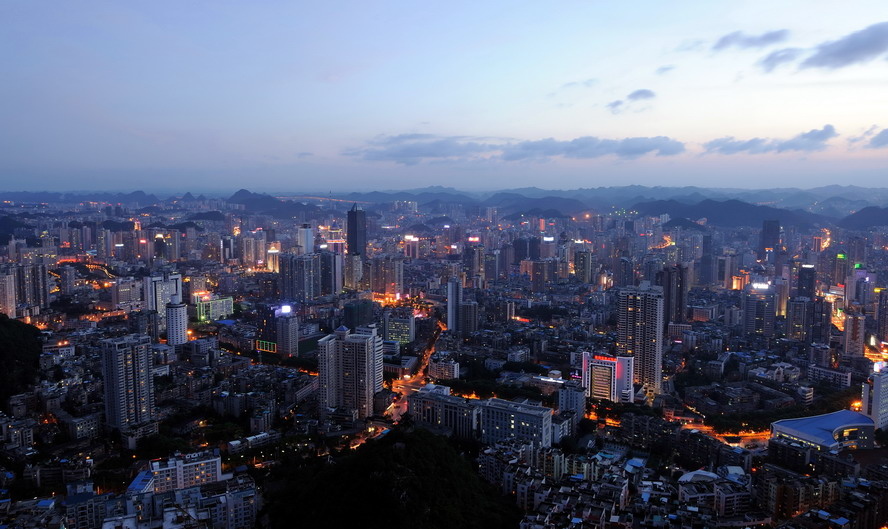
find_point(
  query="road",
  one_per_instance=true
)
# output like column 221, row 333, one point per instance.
column 411, row 383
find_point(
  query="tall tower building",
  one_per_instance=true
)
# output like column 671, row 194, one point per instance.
column 454, row 300
column 855, row 335
column 759, row 304
column 7, row 294
column 129, row 385
column 874, row 398
column 468, row 318
column 640, row 332
column 177, row 323
column 300, row 276
column 158, row 290
column 583, row 266
column 882, row 316
column 356, row 231
column 770, row 238
column 287, row 332
column 305, row 239
column 674, row 280
column 807, row 285
column 350, row 370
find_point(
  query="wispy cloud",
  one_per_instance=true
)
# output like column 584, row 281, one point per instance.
column 615, row 107
column 813, row 140
column 738, row 39
column 776, row 58
column 858, row 47
column 879, row 141
column 586, row 83
column 663, row 70
column 641, row 94
column 411, row 149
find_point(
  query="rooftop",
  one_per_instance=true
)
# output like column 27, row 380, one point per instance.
column 820, row 428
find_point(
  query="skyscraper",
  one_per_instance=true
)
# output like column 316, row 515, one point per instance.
column 759, row 306
column 454, row 300
column 874, row 398
column 640, row 332
column 177, row 323
column 674, row 280
column 129, row 385
column 583, row 266
column 300, row 276
column 855, row 335
column 882, row 316
column 287, row 332
column 356, row 231
column 770, row 237
column 807, row 284
column 350, row 370
column 160, row 289
column 7, row 294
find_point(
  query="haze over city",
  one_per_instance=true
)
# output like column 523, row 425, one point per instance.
column 99, row 95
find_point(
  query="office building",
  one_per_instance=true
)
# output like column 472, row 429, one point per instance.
column 769, row 241
column 611, row 378
column 435, row 407
column 468, row 318
column 807, row 284
column 358, row 313
column 129, row 384
column 211, row 308
column 305, row 240
column 583, row 266
column 356, row 231
column 674, row 280
column 640, row 332
column 882, row 316
column 454, row 300
column 399, row 325
column 350, row 370
column 502, row 420
column 759, row 305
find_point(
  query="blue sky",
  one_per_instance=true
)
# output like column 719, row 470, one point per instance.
column 320, row 96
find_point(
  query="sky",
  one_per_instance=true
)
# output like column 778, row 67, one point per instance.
column 340, row 95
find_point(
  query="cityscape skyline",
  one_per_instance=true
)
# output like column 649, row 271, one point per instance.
column 478, row 97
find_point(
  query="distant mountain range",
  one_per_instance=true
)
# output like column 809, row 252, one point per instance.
column 849, row 207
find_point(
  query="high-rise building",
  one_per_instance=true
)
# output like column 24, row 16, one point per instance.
column 807, row 285
column 759, row 305
column 358, row 313
column 874, row 398
column 882, row 316
column 468, row 318
column 160, row 289
column 502, row 420
column 611, row 378
column 286, row 331
column 454, row 300
column 7, row 294
column 332, row 272
column 129, row 384
column 583, row 266
column 350, row 370
column 855, row 335
column 177, row 323
column 640, row 332
column 305, row 239
column 674, row 280
column 300, row 276
column 770, row 238
column 356, row 231
column 388, row 275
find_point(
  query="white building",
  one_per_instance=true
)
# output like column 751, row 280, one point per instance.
column 611, row 378
column 874, row 398
column 504, row 419
column 186, row 470
column 177, row 323
column 434, row 406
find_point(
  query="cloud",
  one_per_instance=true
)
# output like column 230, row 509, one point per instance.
column 775, row 59
column 860, row 46
column 587, row 83
column 615, row 106
column 301, row 155
column 640, row 94
column 879, row 141
column 411, row 149
column 813, row 140
column 592, row 147
column 740, row 40
column 662, row 70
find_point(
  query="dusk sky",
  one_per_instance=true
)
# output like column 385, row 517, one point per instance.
column 321, row 96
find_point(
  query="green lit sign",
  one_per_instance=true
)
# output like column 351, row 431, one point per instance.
column 840, row 256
